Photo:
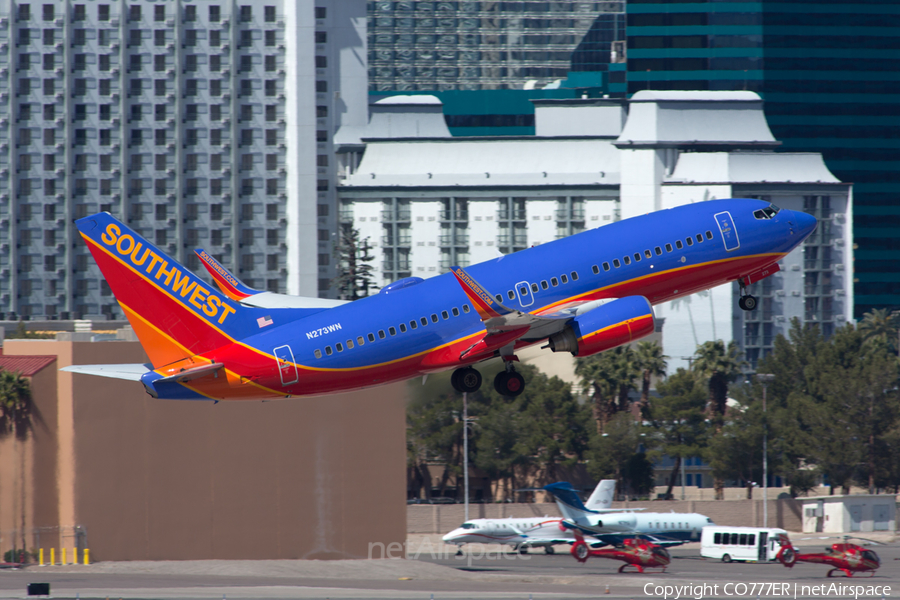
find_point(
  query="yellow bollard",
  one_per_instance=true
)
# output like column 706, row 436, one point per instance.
column 41, row 556
column 52, row 556
column 86, row 554
column 74, row 556
column 62, row 552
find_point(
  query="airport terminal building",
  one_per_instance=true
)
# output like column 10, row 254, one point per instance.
column 426, row 200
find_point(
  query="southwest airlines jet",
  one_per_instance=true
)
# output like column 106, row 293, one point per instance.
column 582, row 294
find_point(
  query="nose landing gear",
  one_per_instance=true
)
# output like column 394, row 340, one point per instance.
column 747, row 302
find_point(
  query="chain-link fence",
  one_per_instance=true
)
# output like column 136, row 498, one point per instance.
column 24, row 545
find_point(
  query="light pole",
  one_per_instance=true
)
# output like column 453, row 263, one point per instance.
column 466, row 451
column 765, row 378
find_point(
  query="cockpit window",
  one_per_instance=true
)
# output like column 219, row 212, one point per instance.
column 468, row 526
column 767, row 212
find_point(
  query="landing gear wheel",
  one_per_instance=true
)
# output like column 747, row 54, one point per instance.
column 523, row 549
column 509, row 383
column 549, row 550
column 747, row 302
column 466, row 379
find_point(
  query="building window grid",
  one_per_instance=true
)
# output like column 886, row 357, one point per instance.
column 140, row 90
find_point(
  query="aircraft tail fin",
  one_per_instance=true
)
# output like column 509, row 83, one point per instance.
column 174, row 313
column 602, row 497
column 568, row 502
column 230, row 285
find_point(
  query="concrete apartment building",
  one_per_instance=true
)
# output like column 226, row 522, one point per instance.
column 198, row 124
column 427, row 201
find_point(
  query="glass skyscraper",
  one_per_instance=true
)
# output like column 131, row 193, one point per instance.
column 829, row 72
column 474, row 44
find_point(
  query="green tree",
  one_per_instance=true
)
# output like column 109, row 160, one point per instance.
column 609, row 377
column 535, row 435
column 651, row 362
column 880, row 325
column 610, row 454
column 838, row 402
column 15, row 419
column 15, row 405
column 679, row 421
column 721, row 365
column 735, row 452
column 353, row 255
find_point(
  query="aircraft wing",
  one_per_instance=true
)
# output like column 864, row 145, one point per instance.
column 235, row 289
column 132, row 372
column 498, row 318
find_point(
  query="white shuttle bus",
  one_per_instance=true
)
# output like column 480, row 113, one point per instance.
column 729, row 544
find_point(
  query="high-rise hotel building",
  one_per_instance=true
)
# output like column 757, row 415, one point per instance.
column 196, row 122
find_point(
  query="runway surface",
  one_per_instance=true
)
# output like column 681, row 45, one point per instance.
column 490, row 575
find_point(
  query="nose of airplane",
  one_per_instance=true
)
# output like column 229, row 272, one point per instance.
column 804, row 222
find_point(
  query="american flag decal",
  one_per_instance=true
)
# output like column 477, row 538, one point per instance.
column 264, row 321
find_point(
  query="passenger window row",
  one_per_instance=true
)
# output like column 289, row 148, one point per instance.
column 657, row 251
column 360, row 340
column 523, row 290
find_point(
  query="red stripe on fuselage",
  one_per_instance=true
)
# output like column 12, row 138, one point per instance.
column 661, row 287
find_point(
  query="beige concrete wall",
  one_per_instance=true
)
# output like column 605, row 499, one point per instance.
column 441, row 518
column 162, row 479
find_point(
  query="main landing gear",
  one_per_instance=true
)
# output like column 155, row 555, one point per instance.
column 466, row 380
column 506, row 383
column 747, row 302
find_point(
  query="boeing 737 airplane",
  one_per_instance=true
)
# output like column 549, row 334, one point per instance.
column 528, row 532
column 663, row 529
column 582, row 294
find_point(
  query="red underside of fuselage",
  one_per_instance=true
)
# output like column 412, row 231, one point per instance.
column 264, row 380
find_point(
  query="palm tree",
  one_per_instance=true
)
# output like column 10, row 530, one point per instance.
column 15, row 405
column 15, row 418
column 880, row 325
column 651, row 362
column 609, row 377
column 722, row 366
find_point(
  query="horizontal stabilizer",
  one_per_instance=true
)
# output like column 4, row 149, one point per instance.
column 235, row 289
column 192, row 373
column 132, row 372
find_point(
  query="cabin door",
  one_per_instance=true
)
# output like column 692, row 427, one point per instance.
column 286, row 367
column 523, row 290
column 729, row 233
column 763, row 554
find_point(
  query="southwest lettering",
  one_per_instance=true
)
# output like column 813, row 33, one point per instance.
column 134, row 258
column 227, row 310
column 168, row 274
column 130, row 244
column 178, row 282
column 212, row 306
column 199, row 294
column 180, row 286
column 109, row 236
column 153, row 261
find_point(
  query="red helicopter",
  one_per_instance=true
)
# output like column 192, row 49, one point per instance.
column 845, row 557
column 637, row 553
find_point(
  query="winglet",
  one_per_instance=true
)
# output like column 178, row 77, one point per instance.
column 487, row 306
column 230, row 285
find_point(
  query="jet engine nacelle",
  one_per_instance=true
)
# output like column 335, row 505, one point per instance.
column 613, row 324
